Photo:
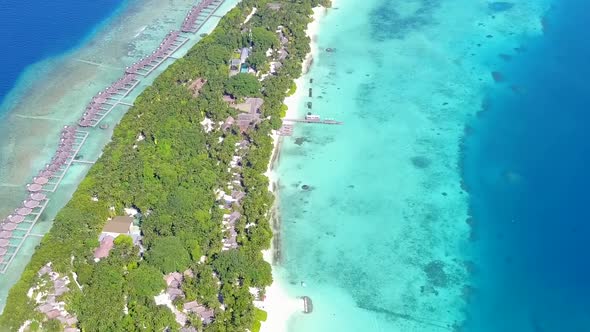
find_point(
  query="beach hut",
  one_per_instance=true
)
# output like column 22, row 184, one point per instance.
column 5, row 234
column 38, row 196
column 40, row 180
column 9, row 226
column 34, row 187
column 31, row 204
column 23, row 211
column 4, row 243
column 3, row 251
column 17, row 219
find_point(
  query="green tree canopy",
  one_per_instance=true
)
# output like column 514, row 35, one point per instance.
column 264, row 39
column 242, row 85
column 258, row 60
column 145, row 281
column 168, row 254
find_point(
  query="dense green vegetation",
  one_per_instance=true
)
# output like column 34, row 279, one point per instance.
column 170, row 177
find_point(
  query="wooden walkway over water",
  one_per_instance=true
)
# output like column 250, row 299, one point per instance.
column 326, row 122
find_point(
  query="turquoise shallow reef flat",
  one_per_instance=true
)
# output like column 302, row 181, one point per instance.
column 379, row 237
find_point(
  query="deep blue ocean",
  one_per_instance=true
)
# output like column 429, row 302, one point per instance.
column 32, row 30
column 525, row 166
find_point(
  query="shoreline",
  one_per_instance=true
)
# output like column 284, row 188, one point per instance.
column 279, row 305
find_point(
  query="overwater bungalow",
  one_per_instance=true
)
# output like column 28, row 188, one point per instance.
column 16, row 219
column 23, row 211
column 31, row 204
column 9, row 226
column 38, row 196
column 40, row 180
column 33, row 187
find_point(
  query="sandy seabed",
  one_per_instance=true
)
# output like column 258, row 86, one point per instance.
column 279, row 305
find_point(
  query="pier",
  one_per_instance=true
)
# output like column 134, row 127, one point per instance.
column 18, row 226
column 326, row 122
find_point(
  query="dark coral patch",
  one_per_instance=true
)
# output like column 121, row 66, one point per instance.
column 497, row 76
column 500, row 6
column 421, row 162
column 435, row 271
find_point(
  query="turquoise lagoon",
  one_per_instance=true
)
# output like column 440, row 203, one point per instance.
column 380, row 239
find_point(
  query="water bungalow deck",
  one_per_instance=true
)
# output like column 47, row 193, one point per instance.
column 199, row 14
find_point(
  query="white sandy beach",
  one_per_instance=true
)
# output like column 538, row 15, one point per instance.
column 279, row 305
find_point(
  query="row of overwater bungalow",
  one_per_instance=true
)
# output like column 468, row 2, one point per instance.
column 16, row 226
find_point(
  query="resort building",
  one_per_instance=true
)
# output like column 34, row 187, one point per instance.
column 274, row 6
column 230, row 240
column 239, row 65
column 250, row 115
column 206, row 314
column 228, row 123
column 46, row 295
column 121, row 225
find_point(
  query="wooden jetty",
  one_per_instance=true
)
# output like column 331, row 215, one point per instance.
column 327, row 122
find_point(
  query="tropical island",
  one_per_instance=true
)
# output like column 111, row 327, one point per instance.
column 166, row 231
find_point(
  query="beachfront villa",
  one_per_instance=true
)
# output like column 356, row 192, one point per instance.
column 239, row 65
column 174, row 292
column 46, row 295
column 249, row 116
column 121, row 225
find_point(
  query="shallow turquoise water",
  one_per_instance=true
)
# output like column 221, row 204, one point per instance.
column 380, row 240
